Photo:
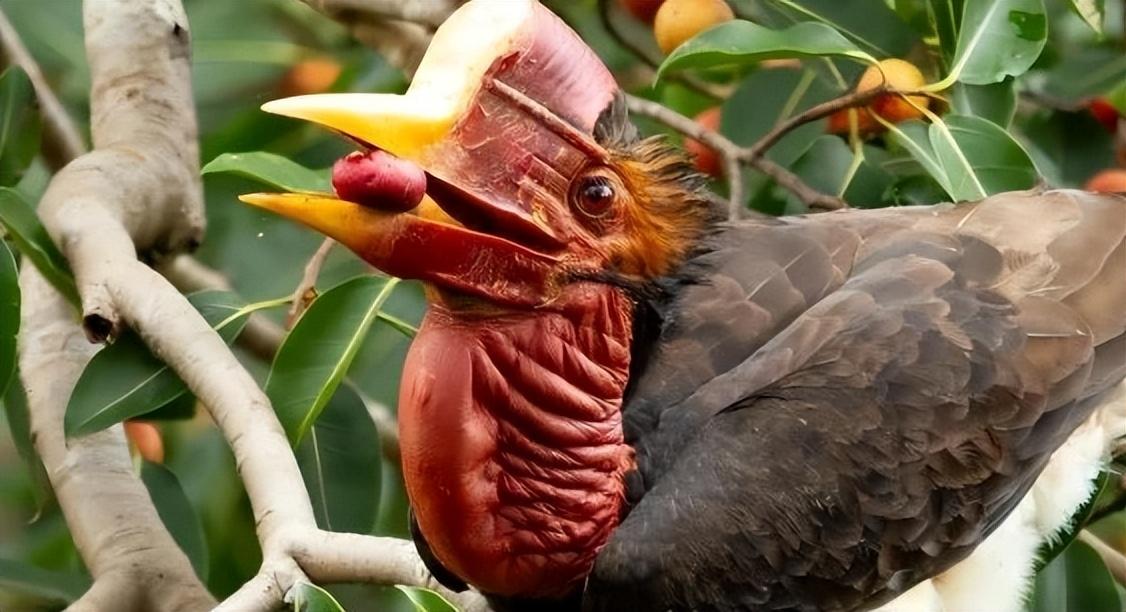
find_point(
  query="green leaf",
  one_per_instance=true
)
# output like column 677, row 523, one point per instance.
column 875, row 27
column 316, row 354
column 125, row 380
column 980, row 158
column 9, row 315
column 1117, row 98
column 765, row 98
column 19, row 425
column 998, row 38
column 1076, row 581
column 19, row 125
column 947, row 18
column 273, row 170
column 312, row 598
column 51, row 586
column 177, row 514
column 340, row 461
column 969, row 157
column 996, row 102
column 425, row 600
column 914, row 137
column 1092, row 12
column 742, row 42
column 30, row 237
column 830, row 166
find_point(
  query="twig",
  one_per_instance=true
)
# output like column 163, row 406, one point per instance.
column 650, row 62
column 813, row 113
column 307, row 286
column 61, row 137
column 733, row 155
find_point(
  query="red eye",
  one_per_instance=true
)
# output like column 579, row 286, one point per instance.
column 596, row 196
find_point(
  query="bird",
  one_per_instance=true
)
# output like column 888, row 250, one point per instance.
column 620, row 399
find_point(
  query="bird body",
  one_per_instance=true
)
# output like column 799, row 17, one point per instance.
column 619, row 400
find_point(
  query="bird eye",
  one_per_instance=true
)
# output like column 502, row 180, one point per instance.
column 596, row 196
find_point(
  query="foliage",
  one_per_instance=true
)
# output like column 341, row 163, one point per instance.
column 1011, row 82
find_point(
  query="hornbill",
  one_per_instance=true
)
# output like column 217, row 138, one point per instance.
column 618, row 399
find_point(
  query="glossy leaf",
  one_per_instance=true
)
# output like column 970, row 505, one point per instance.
column 49, row 586
column 969, row 157
column 312, row 598
column 270, row 169
column 425, row 600
column 876, row 28
column 998, row 38
column 1092, row 12
column 830, row 166
column 743, row 42
column 316, row 354
column 19, row 125
column 31, row 239
column 125, row 380
column 9, row 315
column 996, row 102
column 177, row 514
column 340, row 460
column 1076, row 581
column 980, row 158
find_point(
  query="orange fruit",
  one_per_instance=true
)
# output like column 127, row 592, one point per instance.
column 679, row 20
column 703, row 156
column 145, row 438
column 310, row 76
column 900, row 74
column 644, row 10
column 1111, row 180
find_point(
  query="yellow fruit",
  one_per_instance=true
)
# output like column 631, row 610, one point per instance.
column 679, row 20
column 900, row 74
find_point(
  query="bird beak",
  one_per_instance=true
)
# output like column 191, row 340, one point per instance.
column 499, row 116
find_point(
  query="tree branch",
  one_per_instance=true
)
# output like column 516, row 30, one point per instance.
column 139, row 191
column 733, row 155
column 135, row 563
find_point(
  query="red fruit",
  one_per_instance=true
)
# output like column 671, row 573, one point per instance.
column 706, row 159
column 1112, row 180
column 145, row 437
column 1105, row 113
column 377, row 179
column 643, row 10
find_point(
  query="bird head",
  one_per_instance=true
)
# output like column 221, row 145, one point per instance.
column 534, row 178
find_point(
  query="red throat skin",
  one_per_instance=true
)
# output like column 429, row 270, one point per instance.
column 511, row 438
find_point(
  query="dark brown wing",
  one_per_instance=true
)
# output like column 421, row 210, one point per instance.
column 886, row 429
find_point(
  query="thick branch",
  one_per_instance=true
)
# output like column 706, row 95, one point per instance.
column 134, row 561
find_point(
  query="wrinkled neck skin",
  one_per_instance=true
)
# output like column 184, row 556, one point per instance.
column 511, row 436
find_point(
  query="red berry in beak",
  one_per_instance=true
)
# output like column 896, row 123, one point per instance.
column 377, row 179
